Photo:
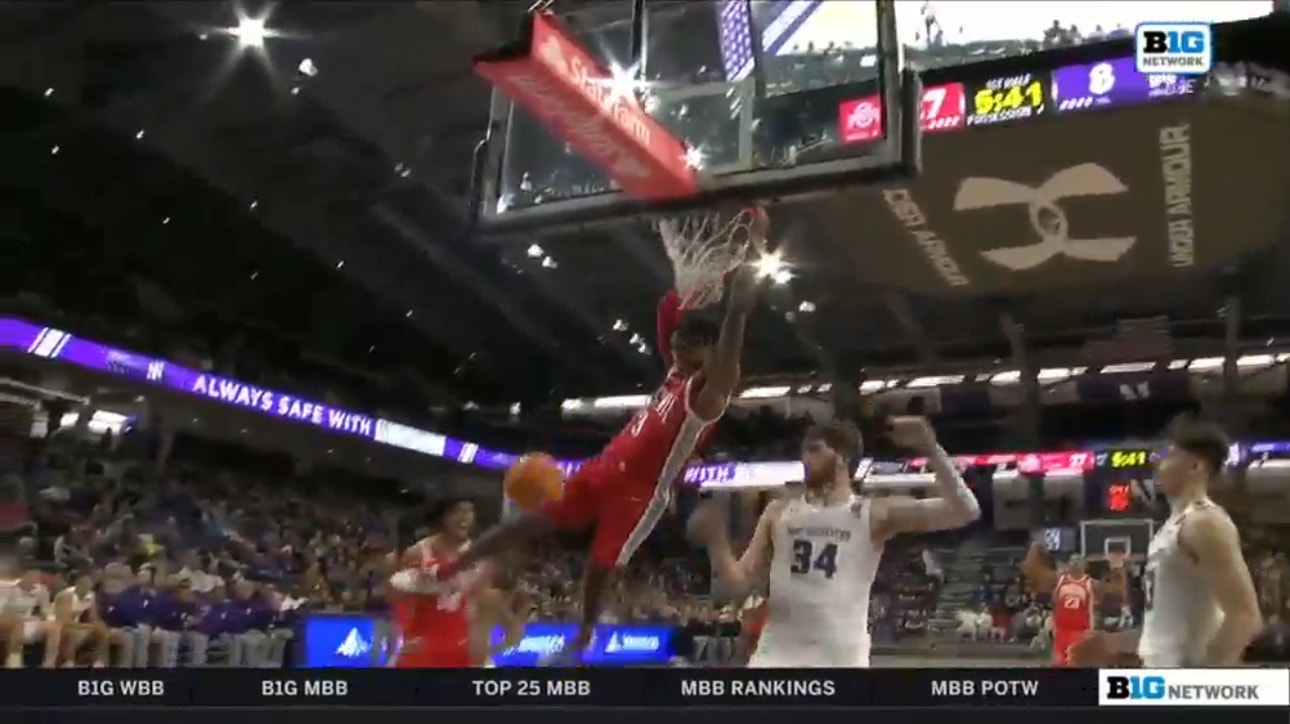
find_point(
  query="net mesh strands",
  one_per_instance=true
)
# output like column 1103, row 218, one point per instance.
column 705, row 247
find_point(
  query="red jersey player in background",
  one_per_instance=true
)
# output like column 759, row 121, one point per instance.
column 434, row 626
column 623, row 492
column 1075, row 595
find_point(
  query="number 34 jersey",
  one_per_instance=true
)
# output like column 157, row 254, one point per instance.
column 822, row 569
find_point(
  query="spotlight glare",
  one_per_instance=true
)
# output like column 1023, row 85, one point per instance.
column 769, row 266
column 250, row 32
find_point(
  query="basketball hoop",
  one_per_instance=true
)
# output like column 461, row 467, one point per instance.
column 1115, row 560
column 705, row 247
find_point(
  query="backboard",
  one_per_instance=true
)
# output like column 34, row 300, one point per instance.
column 758, row 95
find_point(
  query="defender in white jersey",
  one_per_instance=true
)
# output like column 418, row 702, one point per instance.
column 1200, row 604
column 823, row 547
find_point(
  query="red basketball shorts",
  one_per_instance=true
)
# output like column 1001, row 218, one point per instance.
column 1063, row 640
column 623, row 510
column 454, row 658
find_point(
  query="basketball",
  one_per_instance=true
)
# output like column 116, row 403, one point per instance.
column 533, row 480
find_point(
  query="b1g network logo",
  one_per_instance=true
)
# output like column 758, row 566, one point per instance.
column 1193, row 687
column 1174, row 48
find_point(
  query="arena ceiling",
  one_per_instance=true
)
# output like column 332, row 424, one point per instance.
column 316, row 190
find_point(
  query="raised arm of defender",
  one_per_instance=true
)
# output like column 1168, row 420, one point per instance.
column 736, row 575
column 956, row 505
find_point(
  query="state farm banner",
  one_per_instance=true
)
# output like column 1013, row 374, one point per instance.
column 557, row 81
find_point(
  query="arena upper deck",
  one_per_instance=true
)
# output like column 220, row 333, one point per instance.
column 315, row 190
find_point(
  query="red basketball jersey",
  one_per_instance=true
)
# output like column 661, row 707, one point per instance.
column 1073, row 602
column 660, row 439
column 432, row 625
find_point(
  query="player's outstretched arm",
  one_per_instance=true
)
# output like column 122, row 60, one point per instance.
column 1211, row 537
column 721, row 374
column 956, row 506
column 736, row 575
column 1038, row 572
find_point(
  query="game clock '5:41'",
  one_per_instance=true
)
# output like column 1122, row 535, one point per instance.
column 1007, row 99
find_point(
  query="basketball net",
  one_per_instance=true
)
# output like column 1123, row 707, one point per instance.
column 704, row 248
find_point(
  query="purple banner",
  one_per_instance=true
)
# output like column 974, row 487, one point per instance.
column 1113, row 83
column 54, row 344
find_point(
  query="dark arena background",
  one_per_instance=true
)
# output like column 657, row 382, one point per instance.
column 280, row 278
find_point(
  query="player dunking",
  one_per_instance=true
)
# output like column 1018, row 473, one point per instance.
column 623, row 492
column 823, row 548
column 1075, row 595
column 1200, row 607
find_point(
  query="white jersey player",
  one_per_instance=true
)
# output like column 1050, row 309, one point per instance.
column 1200, row 605
column 824, row 547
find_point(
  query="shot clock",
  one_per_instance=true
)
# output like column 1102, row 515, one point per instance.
column 1011, row 98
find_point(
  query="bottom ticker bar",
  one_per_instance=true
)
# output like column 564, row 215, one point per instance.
column 550, row 687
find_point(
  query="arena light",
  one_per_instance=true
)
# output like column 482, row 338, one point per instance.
column 771, row 266
column 806, row 307
column 622, row 83
column 536, row 252
column 620, row 325
column 307, row 68
column 548, row 263
column 695, row 158
column 250, row 32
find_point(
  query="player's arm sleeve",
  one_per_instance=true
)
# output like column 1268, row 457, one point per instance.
column 1213, row 540
column 668, row 319
column 955, row 507
column 737, row 575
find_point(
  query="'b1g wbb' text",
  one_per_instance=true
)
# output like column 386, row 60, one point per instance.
column 108, row 688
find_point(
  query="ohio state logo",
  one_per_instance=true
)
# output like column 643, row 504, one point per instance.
column 864, row 115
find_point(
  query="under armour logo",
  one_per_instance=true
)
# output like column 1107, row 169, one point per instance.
column 1047, row 218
